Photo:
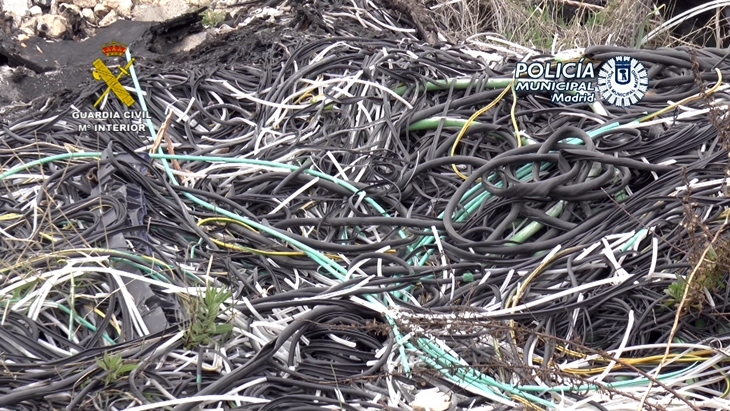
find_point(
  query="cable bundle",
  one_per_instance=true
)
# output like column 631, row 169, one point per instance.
column 337, row 229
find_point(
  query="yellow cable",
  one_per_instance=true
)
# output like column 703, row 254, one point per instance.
column 537, row 270
column 243, row 248
column 528, row 405
column 686, row 100
column 112, row 321
column 512, row 115
column 257, row 250
column 692, row 356
column 633, row 361
column 226, row 220
column 512, row 302
column 311, row 203
column 471, row 119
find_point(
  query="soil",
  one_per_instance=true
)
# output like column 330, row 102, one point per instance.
column 61, row 70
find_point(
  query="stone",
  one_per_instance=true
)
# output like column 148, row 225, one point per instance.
column 199, row 3
column 431, row 400
column 84, row 3
column 35, row 11
column 17, row 8
column 101, row 10
column 224, row 28
column 28, row 27
column 166, row 10
column 8, row 92
column 52, row 25
column 110, row 18
column 89, row 15
column 125, row 8
column 69, row 8
column 43, row 3
column 111, row 4
column 190, row 42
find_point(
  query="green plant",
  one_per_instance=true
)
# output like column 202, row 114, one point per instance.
column 645, row 26
column 115, row 366
column 212, row 18
column 204, row 310
column 710, row 276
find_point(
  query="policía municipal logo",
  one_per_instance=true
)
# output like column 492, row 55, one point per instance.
column 622, row 81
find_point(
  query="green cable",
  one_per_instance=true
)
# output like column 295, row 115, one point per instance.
column 463, row 83
column 328, row 264
column 339, row 272
column 85, row 323
column 594, row 387
column 447, row 360
column 523, row 173
column 50, row 159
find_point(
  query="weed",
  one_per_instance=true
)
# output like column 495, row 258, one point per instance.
column 711, row 269
column 115, row 366
column 204, row 311
column 543, row 23
column 212, row 18
column 708, row 247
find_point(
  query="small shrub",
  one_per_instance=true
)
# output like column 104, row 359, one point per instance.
column 204, row 311
column 212, row 18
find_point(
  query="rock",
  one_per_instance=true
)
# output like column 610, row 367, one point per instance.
column 89, row 15
column 6, row 22
column 35, row 11
column 52, row 25
column 69, row 8
column 28, row 27
column 84, row 3
column 166, row 10
column 190, row 42
column 431, row 400
column 265, row 13
column 111, row 4
column 8, row 92
column 17, row 8
column 125, row 8
column 75, row 21
column 20, row 73
column 42, row 3
column 224, row 28
column 108, row 19
column 101, row 10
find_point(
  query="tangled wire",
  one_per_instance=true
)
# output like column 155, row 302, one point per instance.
column 337, row 230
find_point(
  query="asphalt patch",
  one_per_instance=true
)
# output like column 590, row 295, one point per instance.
column 37, row 69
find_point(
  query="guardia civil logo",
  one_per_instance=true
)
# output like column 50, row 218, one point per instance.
column 622, row 81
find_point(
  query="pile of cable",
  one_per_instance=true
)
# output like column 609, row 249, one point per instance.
column 361, row 220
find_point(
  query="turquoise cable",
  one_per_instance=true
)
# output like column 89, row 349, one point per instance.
column 339, row 273
column 332, row 267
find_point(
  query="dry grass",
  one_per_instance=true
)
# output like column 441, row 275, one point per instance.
column 708, row 33
column 540, row 24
